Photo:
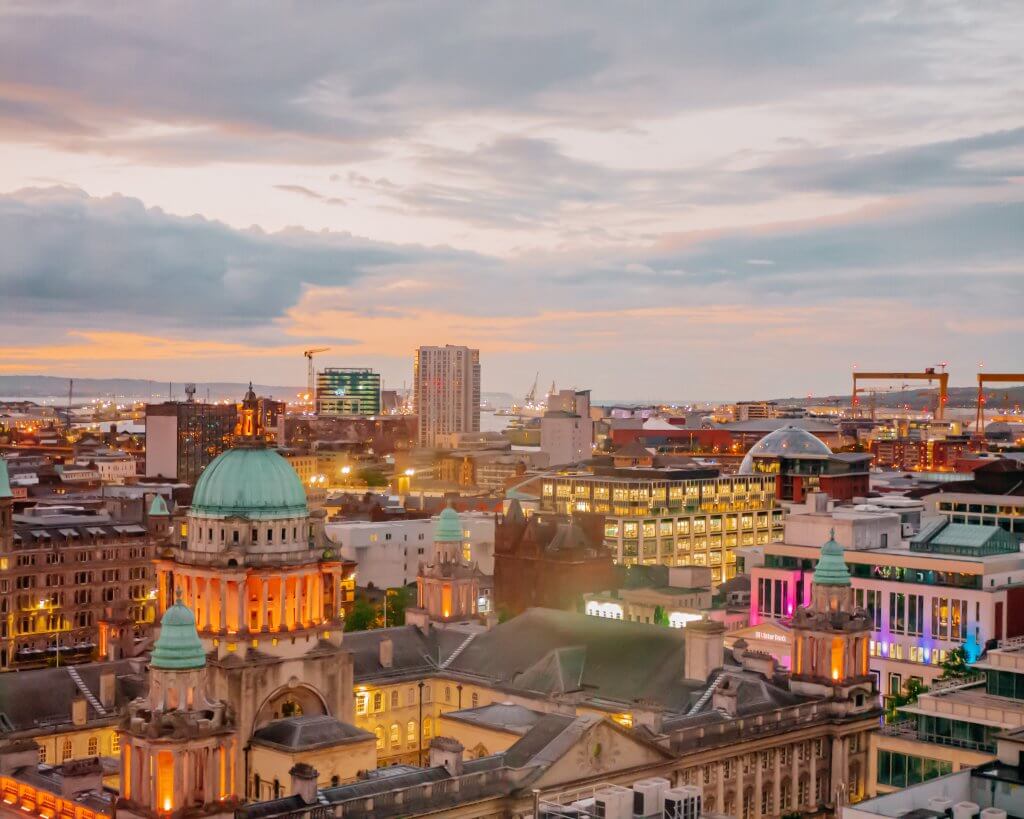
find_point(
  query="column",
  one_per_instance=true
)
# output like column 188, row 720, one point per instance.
column 298, row 602
column 141, row 792
column 241, row 592
column 795, row 784
column 202, row 611
column 720, row 789
column 758, row 784
column 223, row 604
column 839, row 766
column 777, row 782
column 282, row 597
column 263, row 604
column 179, row 781
column 739, row 786
column 161, row 590
column 813, row 784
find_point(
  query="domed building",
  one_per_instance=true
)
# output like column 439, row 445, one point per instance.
column 267, row 593
column 448, row 586
column 804, row 463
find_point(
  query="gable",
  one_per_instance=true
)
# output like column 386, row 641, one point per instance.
column 602, row 750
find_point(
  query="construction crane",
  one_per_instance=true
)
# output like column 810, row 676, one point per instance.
column 928, row 375
column 532, row 394
column 309, row 371
column 993, row 378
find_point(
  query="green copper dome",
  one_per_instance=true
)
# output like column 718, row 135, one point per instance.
column 252, row 482
column 831, row 569
column 158, row 506
column 449, row 527
column 178, row 646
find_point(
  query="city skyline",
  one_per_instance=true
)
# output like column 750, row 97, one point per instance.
column 708, row 202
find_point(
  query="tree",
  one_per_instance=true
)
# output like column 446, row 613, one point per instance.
column 364, row 616
column 398, row 602
column 372, row 477
column 955, row 665
column 911, row 690
column 660, row 617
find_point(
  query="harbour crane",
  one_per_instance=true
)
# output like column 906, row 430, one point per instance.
column 309, row 371
column 992, row 378
column 928, row 375
column 532, row 394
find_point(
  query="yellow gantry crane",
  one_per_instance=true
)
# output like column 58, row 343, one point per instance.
column 929, row 374
column 992, row 378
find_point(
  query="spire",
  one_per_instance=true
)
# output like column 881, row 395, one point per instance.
column 158, row 506
column 178, row 648
column 831, row 569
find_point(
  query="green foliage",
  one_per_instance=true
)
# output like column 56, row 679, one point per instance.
column 364, row 616
column 398, row 602
column 504, row 615
column 371, row 477
column 911, row 690
column 955, row 665
column 660, row 616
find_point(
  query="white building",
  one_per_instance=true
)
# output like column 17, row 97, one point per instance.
column 388, row 553
column 566, row 429
column 946, row 585
column 446, row 392
column 114, row 467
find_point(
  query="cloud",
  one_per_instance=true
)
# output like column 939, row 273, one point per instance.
column 70, row 254
column 302, row 190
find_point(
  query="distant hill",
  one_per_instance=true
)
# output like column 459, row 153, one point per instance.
column 997, row 397
column 46, row 386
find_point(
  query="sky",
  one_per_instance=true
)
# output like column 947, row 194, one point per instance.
column 701, row 200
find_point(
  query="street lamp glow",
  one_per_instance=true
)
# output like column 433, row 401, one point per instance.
column 345, row 470
column 410, row 472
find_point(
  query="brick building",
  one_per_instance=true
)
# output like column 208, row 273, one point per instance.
column 548, row 560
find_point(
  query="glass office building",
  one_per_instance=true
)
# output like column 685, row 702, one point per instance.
column 347, row 391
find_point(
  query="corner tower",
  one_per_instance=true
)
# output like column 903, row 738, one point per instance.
column 448, row 586
column 178, row 746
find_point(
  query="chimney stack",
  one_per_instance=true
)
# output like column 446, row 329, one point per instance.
column 79, row 711
column 304, row 782
column 446, row 752
column 704, row 648
column 387, row 653
column 108, row 688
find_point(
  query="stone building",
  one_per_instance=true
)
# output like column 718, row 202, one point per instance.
column 268, row 593
column 69, row 574
column 548, row 560
column 448, row 586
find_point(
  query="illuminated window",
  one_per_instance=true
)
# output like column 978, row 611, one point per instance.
column 379, row 732
column 65, row 752
column 94, row 746
column 115, row 743
column 396, row 735
column 378, row 701
column 362, row 701
column 42, row 753
column 410, row 732
column 428, row 728
column 165, row 781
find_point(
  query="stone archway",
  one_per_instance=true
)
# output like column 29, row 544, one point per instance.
column 290, row 701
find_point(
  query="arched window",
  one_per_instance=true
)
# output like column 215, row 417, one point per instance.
column 378, row 701
column 394, row 698
column 410, row 732
column 447, row 693
column 290, row 708
column 428, row 728
column 379, row 731
column 396, row 735
column 94, row 746
column 65, row 752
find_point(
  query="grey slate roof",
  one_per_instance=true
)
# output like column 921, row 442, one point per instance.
column 501, row 716
column 308, row 732
column 542, row 650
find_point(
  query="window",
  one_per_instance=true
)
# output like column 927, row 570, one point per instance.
column 900, row 770
column 362, row 701
column 447, row 693
column 410, row 732
column 378, row 701
column 476, row 699
column 42, row 753
column 115, row 743
column 65, row 753
column 94, row 746
column 396, row 735
column 379, row 732
column 428, row 728
column 394, row 698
